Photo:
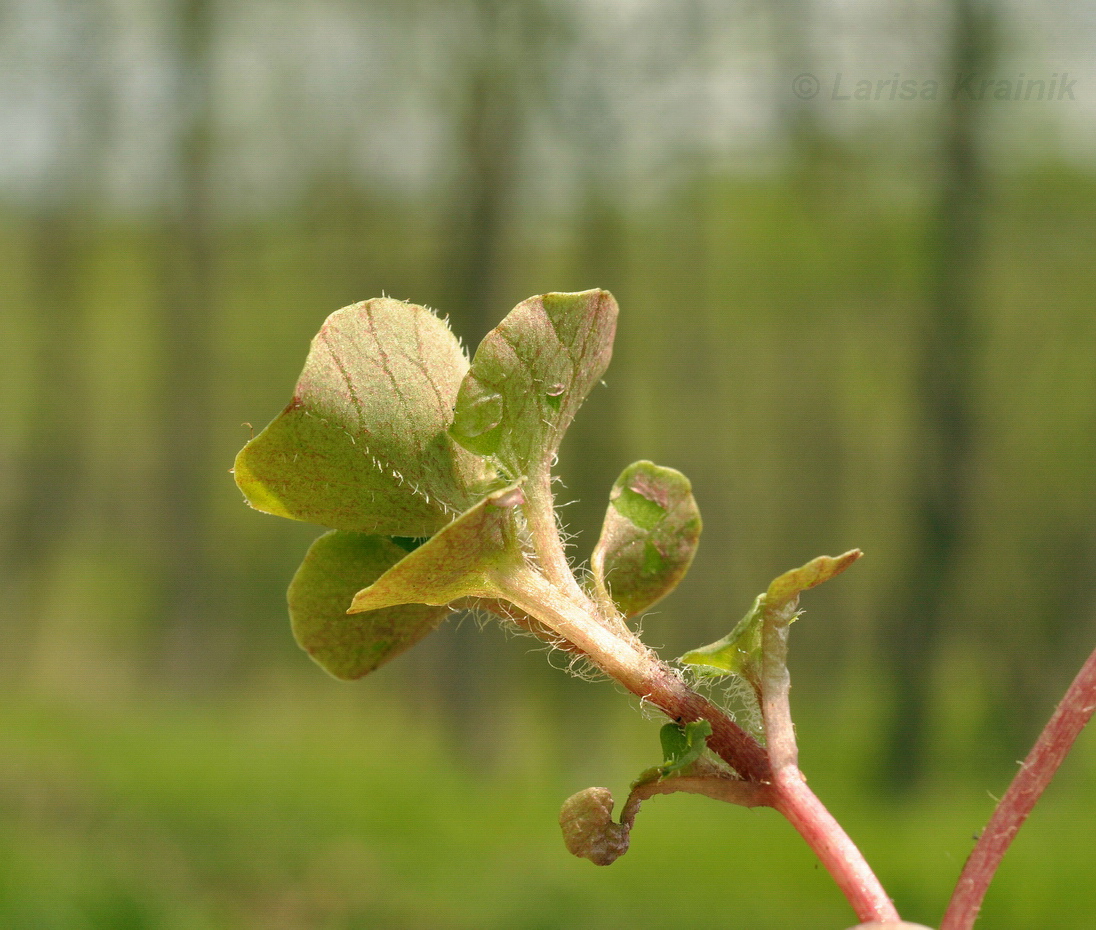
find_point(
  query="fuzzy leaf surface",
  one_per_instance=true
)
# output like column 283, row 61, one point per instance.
column 531, row 374
column 649, row 537
column 333, row 571
column 363, row 446
column 461, row 561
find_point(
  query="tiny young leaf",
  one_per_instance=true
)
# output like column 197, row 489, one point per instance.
column 649, row 537
column 792, row 584
column 530, row 375
column 333, row 571
column 682, row 745
column 737, row 653
column 363, row 446
column 462, row 560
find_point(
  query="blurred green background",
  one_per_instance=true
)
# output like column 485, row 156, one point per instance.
column 852, row 322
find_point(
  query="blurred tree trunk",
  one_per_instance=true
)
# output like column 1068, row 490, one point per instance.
column 185, row 253
column 944, row 406
column 52, row 469
column 811, row 437
column 796, row 104
column 489, row 129
column 594, row 452
column 52, row 465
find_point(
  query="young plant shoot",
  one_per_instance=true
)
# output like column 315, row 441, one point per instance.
column 433, row 475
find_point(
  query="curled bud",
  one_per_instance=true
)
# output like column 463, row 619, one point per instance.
column 589, row 830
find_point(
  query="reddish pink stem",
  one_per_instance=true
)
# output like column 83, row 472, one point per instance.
column 1035, row 774
column 832, row 845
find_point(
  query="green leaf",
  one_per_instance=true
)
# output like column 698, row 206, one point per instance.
column 335, row 568
column 674, row 742
column 683, row 745
column 737, row 653
column 363, row 446
column 791, row 584
column 531, row 374
column 463, row 560
column 649, row 537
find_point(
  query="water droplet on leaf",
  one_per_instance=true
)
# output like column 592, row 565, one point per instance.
column 511, row 498
column 554, row 395
column 480, row 416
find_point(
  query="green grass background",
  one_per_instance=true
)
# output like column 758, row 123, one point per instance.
column 300, row 802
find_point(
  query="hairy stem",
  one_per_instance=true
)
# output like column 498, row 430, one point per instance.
column 776, row 688
column 644, row 674
column 540, row 516
column 789, row 793
column 717, row 787
column 636, row 667
column 1035, row 773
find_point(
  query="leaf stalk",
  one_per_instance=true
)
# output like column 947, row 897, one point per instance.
column 641, row 672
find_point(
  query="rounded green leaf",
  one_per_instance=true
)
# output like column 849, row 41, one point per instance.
column 363, row 446
column 531, row 374
column 651, row 531
column 333, row 571
column 460, row 561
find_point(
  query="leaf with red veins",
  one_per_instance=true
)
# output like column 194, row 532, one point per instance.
column 363, row 446
column 531, row 374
